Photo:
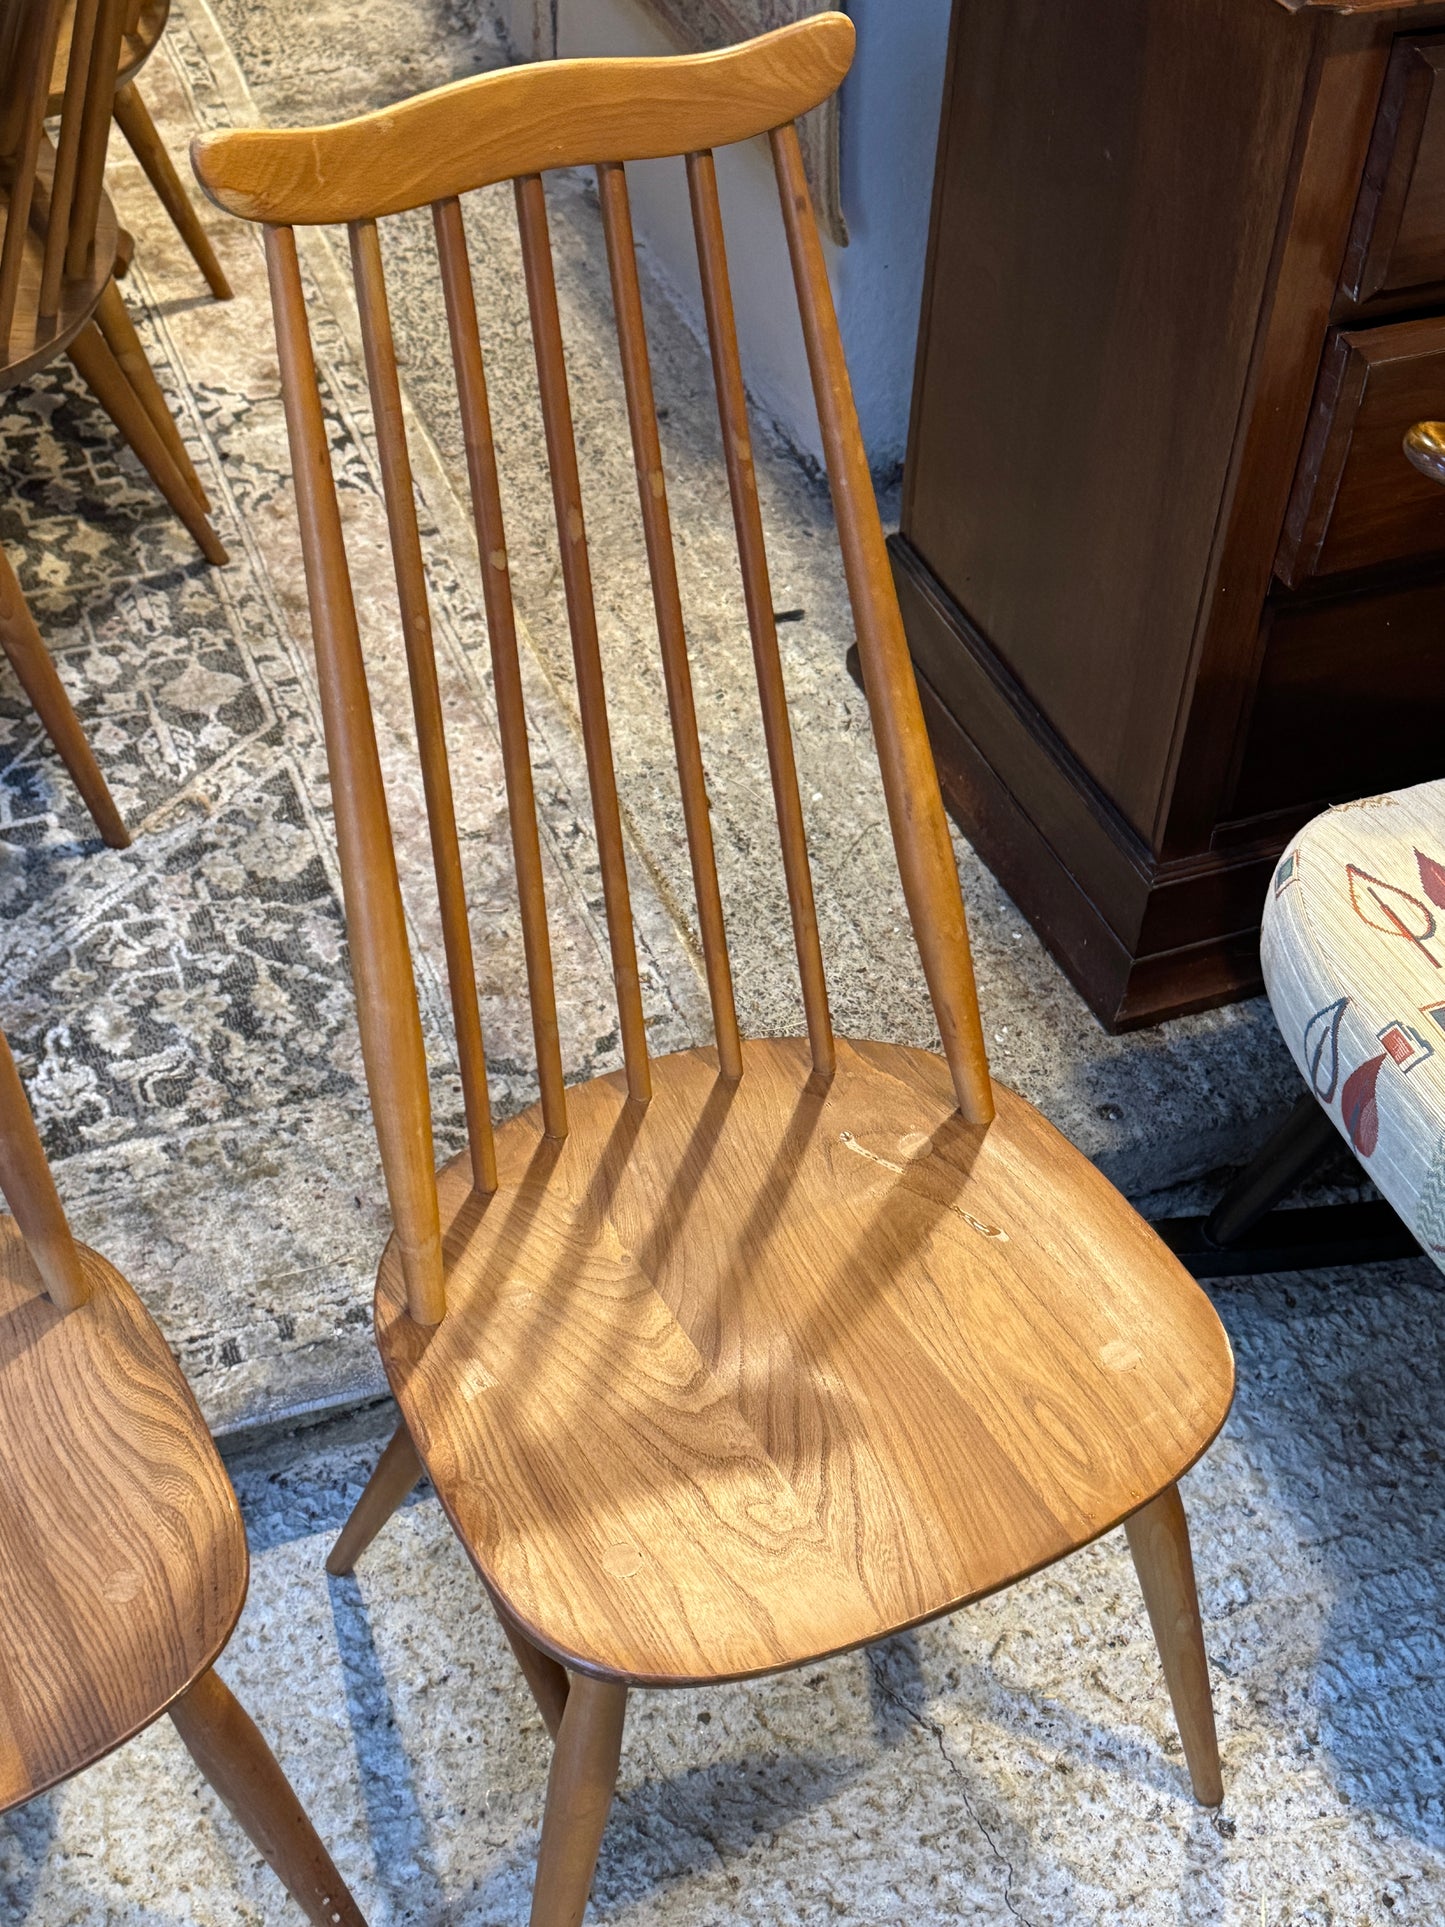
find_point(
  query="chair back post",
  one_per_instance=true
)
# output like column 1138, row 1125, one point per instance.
column 28, row 35
column 98, row 106
column 910, row 779
column 386, row 1000
column 30, row 1192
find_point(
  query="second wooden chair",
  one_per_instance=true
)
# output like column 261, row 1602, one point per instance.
column 58, row 296
column 751, row 1354
column 123, row 1561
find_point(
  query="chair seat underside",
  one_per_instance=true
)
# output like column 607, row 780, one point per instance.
column 764, row 1370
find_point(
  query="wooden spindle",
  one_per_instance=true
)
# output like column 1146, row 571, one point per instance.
column 31, row 47
column 386, row 1002
column 94, row 137
column 582, row 621
column 67, row 155
column 30, row 1192
column 758, row 595
column 910, row 780
column 456, row 274
column 667, row 603
column 406, row 555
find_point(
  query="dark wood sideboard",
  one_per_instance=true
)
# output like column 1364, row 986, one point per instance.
column 1170, row 582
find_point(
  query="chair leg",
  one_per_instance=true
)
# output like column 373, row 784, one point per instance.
column 225, row 1744
column 102, row 374
column 1301, row 1143
column 133, row 118
column 1158, row 1537
column 579, row 1795
column 30, row 660
column 397, row 1470
column 113, row 317
column 550, row 1683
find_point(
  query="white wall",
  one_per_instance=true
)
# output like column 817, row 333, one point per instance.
column 890, row 119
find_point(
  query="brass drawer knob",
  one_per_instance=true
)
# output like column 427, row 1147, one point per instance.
column 1424, row 447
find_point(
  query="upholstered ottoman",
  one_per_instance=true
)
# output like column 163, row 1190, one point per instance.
column 1354, row 961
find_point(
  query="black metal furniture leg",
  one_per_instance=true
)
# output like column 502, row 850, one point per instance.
column 1300, row 1145
column 1244, row 1235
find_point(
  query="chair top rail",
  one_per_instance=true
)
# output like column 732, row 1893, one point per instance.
column 521, row 121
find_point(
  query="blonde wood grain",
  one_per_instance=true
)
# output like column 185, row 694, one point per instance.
column 397, row 1472
column 1159, row 1541
column 30, row 1192
column 582, row 621
column 122, row 1558
column 579, row 1796
column 380, row 956
column 495, row 127
column 38, row 677
column 410, row 567
column 758, row 596
column 486, row 497
column 910, row 781
column 123, row 1561
column 225, row 1743
column 667, row 606
column 751, row 1376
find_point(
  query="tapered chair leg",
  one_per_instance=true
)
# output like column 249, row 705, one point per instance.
column 113, row 318
column 397, row 1470
column 1159, row 1540
column 225, row 1744
column 40, row 680
column 579, row 1797
column 102, row 374
column 133, row 118
column 549, row 1682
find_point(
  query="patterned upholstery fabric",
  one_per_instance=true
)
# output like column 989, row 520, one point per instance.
column 1354, row 961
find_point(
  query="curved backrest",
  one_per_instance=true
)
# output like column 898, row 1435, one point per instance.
column 511, row 125
column 29, row 1190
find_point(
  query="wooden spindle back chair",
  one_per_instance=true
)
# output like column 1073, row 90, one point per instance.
column 123, row 1561
column 58, row 256
column 737, row 1357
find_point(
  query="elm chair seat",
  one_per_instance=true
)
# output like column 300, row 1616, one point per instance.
column 1354, row 962
column 768, row 1369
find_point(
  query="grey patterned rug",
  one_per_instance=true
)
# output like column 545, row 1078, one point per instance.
column 182, row 1010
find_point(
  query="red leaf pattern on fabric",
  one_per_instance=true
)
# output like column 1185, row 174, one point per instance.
column 1432, row 877
column 1358, row 1108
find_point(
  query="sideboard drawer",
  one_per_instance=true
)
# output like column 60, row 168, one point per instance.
column 1349, row 701
column 1357, row 501
column 1398, row 237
